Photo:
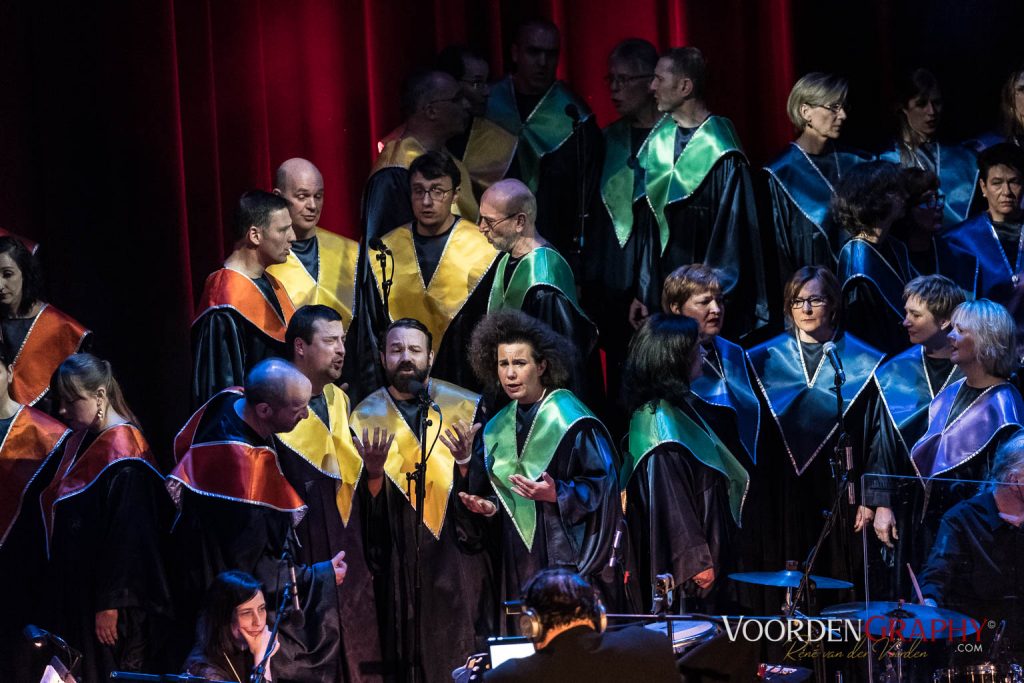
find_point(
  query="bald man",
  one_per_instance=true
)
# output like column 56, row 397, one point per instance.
column 560, row 146
column 436, row 111
column 237, row 512
column 533, row 277
column 321, row 268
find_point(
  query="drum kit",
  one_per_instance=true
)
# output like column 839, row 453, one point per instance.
column 916, row 622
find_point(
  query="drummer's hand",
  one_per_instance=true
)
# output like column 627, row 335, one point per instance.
column 864, row 515
column 885, row 526
column 705, row 578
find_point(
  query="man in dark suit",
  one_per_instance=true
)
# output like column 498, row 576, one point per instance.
column 565, row 618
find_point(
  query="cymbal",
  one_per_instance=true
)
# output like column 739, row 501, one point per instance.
column 918, row 621
column 788, row 579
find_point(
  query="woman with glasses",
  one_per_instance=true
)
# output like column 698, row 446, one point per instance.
column 796, row 378
column 802, row 181
column 873, row 267
column 918, row 106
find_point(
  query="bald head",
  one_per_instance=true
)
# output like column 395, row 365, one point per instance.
column 276, row 396
column 299, row 182
column 512, row 197
column 508, row 211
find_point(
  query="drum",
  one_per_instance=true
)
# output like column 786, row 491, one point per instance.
column 981, row 673
column 685, row 634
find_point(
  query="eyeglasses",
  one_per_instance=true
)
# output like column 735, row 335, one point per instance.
column 835, row 107
column 813, row 301
column 436, row 193
column 619, row 81
column 935, row 202
column 492, row 223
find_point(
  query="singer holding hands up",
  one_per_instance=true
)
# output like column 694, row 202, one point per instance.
column 550, row 461
column 797, row 373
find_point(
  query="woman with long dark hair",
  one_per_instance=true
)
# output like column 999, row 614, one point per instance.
column 233, row 630
column 918, row 108
column 873, row 267
column 34, row 334
column 685, row 489
column 106, row 513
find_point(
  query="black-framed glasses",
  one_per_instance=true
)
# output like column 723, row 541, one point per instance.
column 812, row 301
column 934, row 202
column 437, row 193
column 619, row 81
column 492, row 223
column 835, row 107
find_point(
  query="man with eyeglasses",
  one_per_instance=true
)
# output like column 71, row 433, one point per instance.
column 533, row 277
column 699, row 186
column 559, row 144
column 994, row 238
column 440, row 272
column 435, row 111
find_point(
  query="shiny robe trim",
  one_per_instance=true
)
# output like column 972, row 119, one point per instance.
column 734, row 391
column 619, row 189
column 31, row 245
column 906, row 393
column 335, row 285
column 30, row 442
column 660, row 423
column 541, row 267
column 329, row 448
column 227, row 288
column 944, row 448
column 958, row 177
column 400, row 153
column 76, row 474
column 52, row 337
column 671, row 180
column 466, row 258
column 489, row 152
column 860, row 260
column 230, row 470
column 558, row 412
column 545, row 129
column 804, row 186
column 379, row 410
column 977, row 238
column 804, row 408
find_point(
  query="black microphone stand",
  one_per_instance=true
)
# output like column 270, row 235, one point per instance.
column 581, row 200
column 259, row 672
column 385, row 282
column 419, row 476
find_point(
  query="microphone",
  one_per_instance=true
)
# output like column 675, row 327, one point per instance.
column 419, row 390
column 573, row 112
column 377, row 244
column 40, row 637
column 830, row 352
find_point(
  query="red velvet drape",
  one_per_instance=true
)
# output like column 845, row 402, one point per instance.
column 128, row 129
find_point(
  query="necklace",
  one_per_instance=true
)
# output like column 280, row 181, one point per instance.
column 835, row 156
column 928, row 378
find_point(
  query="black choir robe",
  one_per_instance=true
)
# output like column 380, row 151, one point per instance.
column 799, row 188
column 704, row 202
column 955, row 165
column 32, row 445
column 795, row 455
column 237, row 326
column 450, row 304
column 560, row 436
column 873, row 292
column 456, row 562
column 237, row 511
column 976, row 242
column 106, row 516
column 322, row 464
column 685, row 494
column 556, row 160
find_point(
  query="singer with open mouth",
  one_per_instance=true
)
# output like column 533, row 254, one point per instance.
column 796, row 373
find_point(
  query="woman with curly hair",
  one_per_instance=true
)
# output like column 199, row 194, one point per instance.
column 873, row 267
column 685, row 489
column 550, row 461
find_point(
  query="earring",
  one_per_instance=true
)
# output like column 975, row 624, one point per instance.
column 99, row 415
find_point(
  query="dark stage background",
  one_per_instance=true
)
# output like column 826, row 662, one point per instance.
column 128, row 129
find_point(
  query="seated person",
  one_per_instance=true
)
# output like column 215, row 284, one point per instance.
column 232, row 631
column 566, row 620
